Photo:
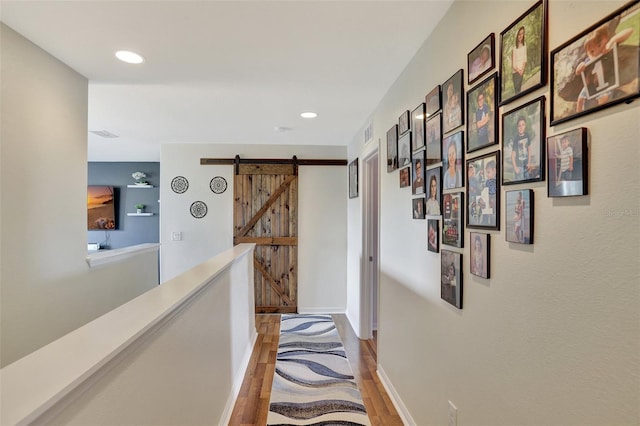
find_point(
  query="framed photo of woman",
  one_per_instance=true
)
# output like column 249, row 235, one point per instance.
column 523, row 54
column 453, row 176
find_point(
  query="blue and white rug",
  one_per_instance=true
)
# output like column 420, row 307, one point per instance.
column 313, row 383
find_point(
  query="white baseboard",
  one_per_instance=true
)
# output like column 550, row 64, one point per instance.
column 403, row 412
column 332, row 310
column 237, row 382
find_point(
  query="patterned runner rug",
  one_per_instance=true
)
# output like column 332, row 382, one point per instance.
column 313, row 383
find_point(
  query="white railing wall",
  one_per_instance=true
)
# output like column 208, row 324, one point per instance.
column 174, row 355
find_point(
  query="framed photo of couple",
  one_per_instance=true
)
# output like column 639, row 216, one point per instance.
column 598, row 68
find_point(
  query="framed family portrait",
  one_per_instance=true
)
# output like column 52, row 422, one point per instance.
column 523, row 54
column 417, row 186
column 482, row 120
column 434, row 139
column 434, row 189
column 599, row 67
column 452, row 176
column 405, row 177
column 452, row 102
column 353, row 179
column 523, row 133
column 404, row 150
column 481, row 59
column 452, row 219
column 418, row 207
column 392, row 148
column 404, row 122
column 417, row 124
column 433, row 235
column 483, row 191
column 479, row 261
column 432, row 101
column 567, row 164
column 451, row 277
column 519, row 216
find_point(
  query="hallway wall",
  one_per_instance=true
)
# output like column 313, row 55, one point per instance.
column 553, row 337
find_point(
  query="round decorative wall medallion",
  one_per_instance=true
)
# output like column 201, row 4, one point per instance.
column 218, row 185
column 198, row 209
column 179, row 184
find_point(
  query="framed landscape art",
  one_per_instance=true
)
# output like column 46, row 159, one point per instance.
column 598, row 68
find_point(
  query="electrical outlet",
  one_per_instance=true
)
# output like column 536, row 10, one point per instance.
column 453, row 415
column 176, row 236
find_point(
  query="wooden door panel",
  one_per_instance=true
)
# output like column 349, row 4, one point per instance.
column 265, row 213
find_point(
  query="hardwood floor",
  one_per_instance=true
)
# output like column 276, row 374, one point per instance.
column 252, row 404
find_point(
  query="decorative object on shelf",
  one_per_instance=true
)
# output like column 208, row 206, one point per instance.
column 179, row 184
column 483, row 191
column 523, row 62
column 583, row 82
column 139, row 208
column 353, row 179
column 451, row 277
column 567, row 163
column 140, row 178
column 198, row 209
column 519, row 216
column 218, row 185
column 480, row 254
column 481, row 60
column 523, row 132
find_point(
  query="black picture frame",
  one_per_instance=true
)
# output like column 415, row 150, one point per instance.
column 520, row 80
column 404, row 150
column 519, row 208
column 480, row 254
column 433, row 101
column 434, row 139
column 433, row 235
column 453, row 173
column 417, row 205
column 353, row 179
column 482, row 120
column 404, row 122
column 523, row 136
column 451, row 277
column 418, row 168
column 481, row 59
column 392, row 148
column 418, row 126
column 483, row 191
column 434, row 195
column 452, row 102
column 405, row 177
column 573, row 92
column 561, row 181
column 453, row 219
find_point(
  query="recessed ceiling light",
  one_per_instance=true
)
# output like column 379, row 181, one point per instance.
column 129, row 57
column 308, row 115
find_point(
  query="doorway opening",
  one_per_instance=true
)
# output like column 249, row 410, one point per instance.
column 370, row 286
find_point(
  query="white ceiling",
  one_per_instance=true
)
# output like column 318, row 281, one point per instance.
column 227, row 71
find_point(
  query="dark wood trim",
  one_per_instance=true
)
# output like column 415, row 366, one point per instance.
column 297, row 161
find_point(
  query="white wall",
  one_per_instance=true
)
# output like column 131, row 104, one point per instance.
column 554, row 336
column 322, row 195
column 47, row 287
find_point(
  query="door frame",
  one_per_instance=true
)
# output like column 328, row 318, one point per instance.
column 369, row 303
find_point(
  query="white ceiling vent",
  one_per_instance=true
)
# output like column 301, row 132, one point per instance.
column 103, row 133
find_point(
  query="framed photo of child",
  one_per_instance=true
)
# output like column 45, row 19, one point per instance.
column 519, row 216
column 392, row 148
column 433, row 235
column 480, row 251
column 434, row 139
column 405, row 177
column 567, row 164
column 417, row 205
column 483, row 191
column 433, row 101
column 482, row 121
column 434, row 190
column 598, row 68
column 404, row 122
column 417, row 124
column 481, row 59
column 523, row 133
column 523, row 58
column 451, row 277
column 452, row 219
column 452, row 102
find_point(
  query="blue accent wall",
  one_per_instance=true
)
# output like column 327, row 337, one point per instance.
column 130, row 230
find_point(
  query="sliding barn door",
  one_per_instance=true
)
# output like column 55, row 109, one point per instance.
column 266, row 213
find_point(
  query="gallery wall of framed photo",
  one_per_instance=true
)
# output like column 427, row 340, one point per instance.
column 523, row 166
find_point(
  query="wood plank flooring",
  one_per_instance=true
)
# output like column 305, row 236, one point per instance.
column 252, row 404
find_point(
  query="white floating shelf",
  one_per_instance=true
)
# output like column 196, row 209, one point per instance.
column 139, row 214
column 139, row 186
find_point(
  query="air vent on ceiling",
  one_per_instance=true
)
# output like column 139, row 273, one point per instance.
column 103, row 133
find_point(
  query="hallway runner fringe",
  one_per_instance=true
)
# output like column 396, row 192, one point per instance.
column 313, row 383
